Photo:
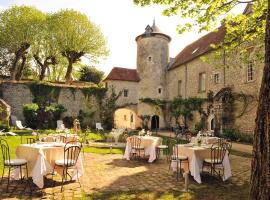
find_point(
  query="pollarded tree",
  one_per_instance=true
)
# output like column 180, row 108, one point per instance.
column 18, row 28
column 44, row 51
column 240, row 29
column 76, row 36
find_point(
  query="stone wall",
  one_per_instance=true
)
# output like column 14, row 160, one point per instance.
column 119, row 86
column 16, row 94
column 233, row 76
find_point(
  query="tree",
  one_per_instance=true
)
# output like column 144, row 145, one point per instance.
column 76, row 36
column 91, row 74
column 44, row 51
column 18, row 28
column 240, row 29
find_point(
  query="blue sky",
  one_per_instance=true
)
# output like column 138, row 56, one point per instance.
column 120, row 21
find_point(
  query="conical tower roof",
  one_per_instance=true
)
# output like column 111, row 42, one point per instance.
column 152, row 30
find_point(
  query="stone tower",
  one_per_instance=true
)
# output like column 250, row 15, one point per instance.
column 152, row 60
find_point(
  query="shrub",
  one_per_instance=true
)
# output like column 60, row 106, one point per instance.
column 236, row 135
column 68, row 121
column 30, row 114
column 4, row 127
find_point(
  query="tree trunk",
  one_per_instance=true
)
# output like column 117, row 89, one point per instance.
column 18, row 55
column 69, row 70
column 43, row 71
column 260, row 167
column 19, row 73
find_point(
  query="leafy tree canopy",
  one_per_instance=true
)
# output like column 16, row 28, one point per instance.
column 76, row 36
column 205, row 14
column 91, row 74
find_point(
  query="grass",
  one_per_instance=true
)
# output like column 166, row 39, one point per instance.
column 14, row 141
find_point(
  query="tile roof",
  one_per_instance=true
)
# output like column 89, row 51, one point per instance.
column 199, row 47
column 123, row 74
column 203, row 45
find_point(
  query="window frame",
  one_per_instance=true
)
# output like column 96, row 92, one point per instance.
column 125, row 92
column 216, row 81
column 250, row 72
column 179, row 89
column 200, row 82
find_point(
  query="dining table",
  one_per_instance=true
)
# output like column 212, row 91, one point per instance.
column 150, row 143
column 196, row 154
column 55, row 137
column 41, row 158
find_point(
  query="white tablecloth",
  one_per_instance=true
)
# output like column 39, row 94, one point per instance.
column 40, row 160
column 196, row 155
column 149, row 143
column 54, row 137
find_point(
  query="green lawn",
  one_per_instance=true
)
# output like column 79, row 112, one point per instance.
column 14, row 141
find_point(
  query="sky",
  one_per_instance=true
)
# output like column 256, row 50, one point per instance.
column 120, row 21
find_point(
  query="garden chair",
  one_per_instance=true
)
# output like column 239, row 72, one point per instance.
column 71, row 154
column 177, row 158
column 60, row 125
column 136, row 147
column 216, row 161
column 30, row 140
column 20, row 126
column 11, row 163
column 99, row 127
column 164, row 148
column 63, row 139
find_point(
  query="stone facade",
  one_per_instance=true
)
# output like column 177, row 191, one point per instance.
column 17, row 94
column 158, row 80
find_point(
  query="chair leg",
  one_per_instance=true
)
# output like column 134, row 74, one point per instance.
column 28, row 180
column 78, row 176
column 63, row 176
column 8, row 178
column 177, row 169
column 2, row 174
column 21, row 173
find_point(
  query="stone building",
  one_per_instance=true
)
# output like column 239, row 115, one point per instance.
column 187, row 75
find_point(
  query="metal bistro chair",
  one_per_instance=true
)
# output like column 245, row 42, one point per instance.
column 216, row 161
column 136, row 147
column 11, row 163
column 71, row 154
column 178, row 158
column 63, row 139
column 164, row 148
column 30, row 140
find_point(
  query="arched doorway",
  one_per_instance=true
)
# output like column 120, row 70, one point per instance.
column 155, row 122
column 125, row 118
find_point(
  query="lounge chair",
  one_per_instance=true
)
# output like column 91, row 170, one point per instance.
column 20, row 126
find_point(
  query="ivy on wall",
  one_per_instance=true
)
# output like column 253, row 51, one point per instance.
column 44, row 91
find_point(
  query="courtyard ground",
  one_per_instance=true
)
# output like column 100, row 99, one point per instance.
column 108, row 176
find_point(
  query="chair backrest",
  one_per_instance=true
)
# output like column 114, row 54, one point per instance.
column 218, row 153
column 172, row 144
column 98, row 126
column 62, row 138
column 30, row 140
column 74, row 142
column 71, row 154
column 60, row 124
column 13, row 120
column 5, row 151
column 229, row 146
column 135, row 141
column 19, row 124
